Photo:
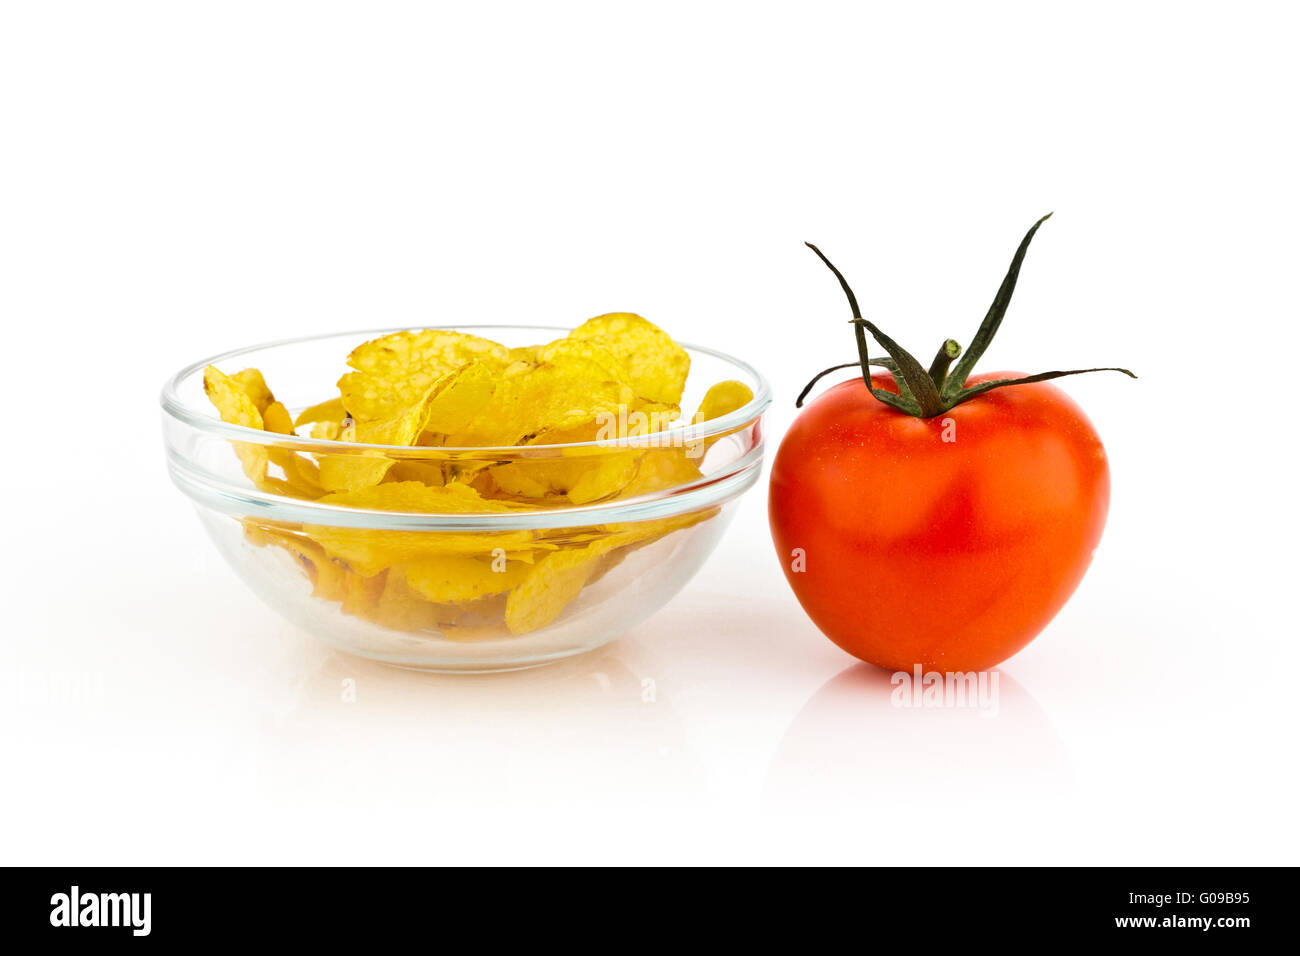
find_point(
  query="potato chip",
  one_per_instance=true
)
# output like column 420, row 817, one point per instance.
column 403, row 609
column 356, row 471
column 394, row 372
column 647, row 418
column 427, row 472
column 523, row 355
column 599, row 473
column 244, row 399
column 639, row 419
column 369, row 550
column 233, row 402
column 656, row 365
column 585, row 475
column 608, row 475
column 560, row 394
column 458, row 578
column 549, row 588
column 523, row 480
column 658, row 470
column 361, row 593
column 723, row 399
column 329, row 431
column 459, row 397
column 276, row 418
column 330, row 410
column 251, row 382
column 587, row 350
column 559, row 577
column 417, row 498
column 237, row 407
column 367, row 398
column 433, row 351
column 638, row 533
column 326, row 577
column 301, row 476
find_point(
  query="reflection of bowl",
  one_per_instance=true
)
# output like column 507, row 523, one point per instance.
column 554, row 578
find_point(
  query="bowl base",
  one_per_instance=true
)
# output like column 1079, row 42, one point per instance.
column 472, row 667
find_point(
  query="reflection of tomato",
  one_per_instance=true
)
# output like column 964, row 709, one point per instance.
column 949, row 541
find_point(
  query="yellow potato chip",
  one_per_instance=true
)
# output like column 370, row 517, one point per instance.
column 356, row 471
column 637, row 533
column 559, row 577
column 367, row 398
column 434, row 351
column 330, row 410
column 646, row 418
column 585, row 475
column 550, row 586
column 660, row 469
column 301, row 476
column 237, row 407
column 450, row 403
column 630, row 421
column 723, row 399
column 327, row 578
column 523, row 355
column 414, row 497
column 244, row 399
column 523, row 481
column 401, row 608
column 656, row 365
column 459, row 397
column 587, row 350
column 361, row 593
column 370, row 550
column 556, row 395
column 393, row 372
column 458, row 578
column 330, row 431
column 276, row 418
column 428, row 472
column 252, row 383
column 609, row 474
column 598, row 474
column 232, row 401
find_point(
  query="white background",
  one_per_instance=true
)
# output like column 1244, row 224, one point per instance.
column 177, row 179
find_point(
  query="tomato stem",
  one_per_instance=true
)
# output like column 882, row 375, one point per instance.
column 950, row 349
column 902, row 401
column 918, row 381
column 884, row 363
column 926, row 393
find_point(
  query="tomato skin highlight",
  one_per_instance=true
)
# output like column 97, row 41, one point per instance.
column 948, row 554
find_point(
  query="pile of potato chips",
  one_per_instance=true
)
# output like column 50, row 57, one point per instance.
column 616, row 376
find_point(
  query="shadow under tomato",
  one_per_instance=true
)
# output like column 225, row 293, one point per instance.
column 866, row 739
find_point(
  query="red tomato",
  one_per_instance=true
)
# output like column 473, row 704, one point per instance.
column 947, row 542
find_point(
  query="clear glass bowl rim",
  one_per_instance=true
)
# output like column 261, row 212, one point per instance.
column 708, row 491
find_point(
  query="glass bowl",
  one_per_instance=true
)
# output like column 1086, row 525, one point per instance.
column 539, row 580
